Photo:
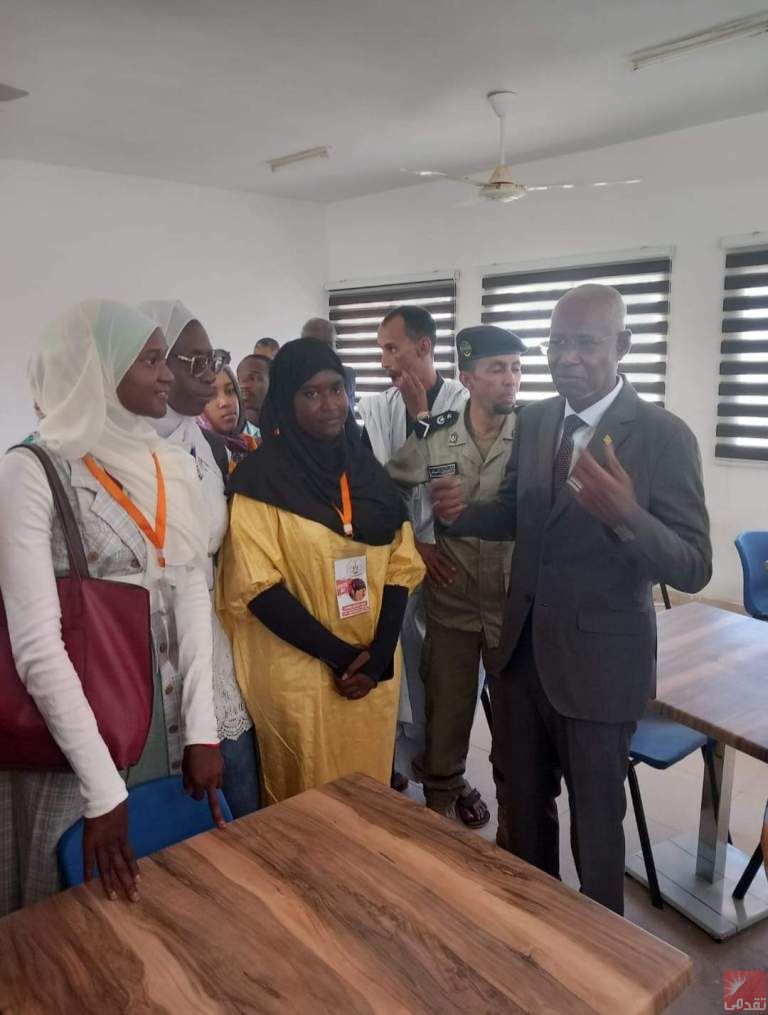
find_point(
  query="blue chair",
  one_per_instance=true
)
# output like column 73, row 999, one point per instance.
column 159, row 815
column 661, row 743
column 753, row 551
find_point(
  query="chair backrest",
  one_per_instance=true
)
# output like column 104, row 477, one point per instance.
column 753, row 552
column 159, row 815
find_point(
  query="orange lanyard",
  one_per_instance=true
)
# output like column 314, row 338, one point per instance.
column 155, row 535
column 346, row 506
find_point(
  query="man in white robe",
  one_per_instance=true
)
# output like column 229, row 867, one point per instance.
column 407, row 338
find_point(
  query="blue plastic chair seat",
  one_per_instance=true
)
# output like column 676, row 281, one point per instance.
column 661, row 743
column 159, row 815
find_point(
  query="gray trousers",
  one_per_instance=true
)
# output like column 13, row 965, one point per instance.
column 534, row 748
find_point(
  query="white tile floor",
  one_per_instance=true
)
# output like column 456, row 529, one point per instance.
column 671, row 802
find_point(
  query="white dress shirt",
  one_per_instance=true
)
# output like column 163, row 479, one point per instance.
column 591, row 416
column 231, row 714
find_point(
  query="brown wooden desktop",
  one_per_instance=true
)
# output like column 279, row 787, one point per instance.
column 349, row 899
column 712, row 676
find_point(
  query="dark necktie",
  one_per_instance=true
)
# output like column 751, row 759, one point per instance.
column 564, row 454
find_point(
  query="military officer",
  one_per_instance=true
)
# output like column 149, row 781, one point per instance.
column 463, row 613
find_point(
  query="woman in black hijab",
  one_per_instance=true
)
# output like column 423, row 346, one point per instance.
column 314, row 580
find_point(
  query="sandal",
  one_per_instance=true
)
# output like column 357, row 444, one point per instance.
column 472, row 810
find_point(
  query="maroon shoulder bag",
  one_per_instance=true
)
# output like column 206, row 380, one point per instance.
column 105, row 626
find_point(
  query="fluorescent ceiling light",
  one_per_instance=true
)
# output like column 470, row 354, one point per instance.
column 739, row 28
column 323, row 152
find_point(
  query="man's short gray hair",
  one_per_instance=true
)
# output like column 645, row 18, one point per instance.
column 320, row 327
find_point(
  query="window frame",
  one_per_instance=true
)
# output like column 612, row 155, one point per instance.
column 356, row 329
column 544, row 282
column 738, row 333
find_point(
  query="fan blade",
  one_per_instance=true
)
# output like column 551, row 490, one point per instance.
column 442, row 176
column 616, row 183
column 423, row 172
column 8, row 93
column 533, row 187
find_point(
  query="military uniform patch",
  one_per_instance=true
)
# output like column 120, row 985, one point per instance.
column 439, row 471
column 426, row 426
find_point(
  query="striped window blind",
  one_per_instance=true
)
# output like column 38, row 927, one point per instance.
column 358, row 312
column 522, row 301
column 742, row 409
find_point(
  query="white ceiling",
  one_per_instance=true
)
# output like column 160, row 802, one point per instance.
column 205, row 91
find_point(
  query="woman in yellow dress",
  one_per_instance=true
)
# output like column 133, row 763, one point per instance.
column 314, row 578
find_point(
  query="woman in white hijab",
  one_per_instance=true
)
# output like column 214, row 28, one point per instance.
column 194, row 365
column 98, row 373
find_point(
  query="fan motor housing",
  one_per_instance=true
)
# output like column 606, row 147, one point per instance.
column 502, row 185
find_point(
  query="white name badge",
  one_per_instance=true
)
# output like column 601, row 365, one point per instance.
column 351, row 586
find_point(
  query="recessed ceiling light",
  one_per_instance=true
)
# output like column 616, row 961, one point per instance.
column 323, row 152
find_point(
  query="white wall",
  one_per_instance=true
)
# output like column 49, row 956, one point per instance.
column 252, row 265
column 700, row 185
column 247, row 265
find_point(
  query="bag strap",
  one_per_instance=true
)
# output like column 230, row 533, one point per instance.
column 78, row 565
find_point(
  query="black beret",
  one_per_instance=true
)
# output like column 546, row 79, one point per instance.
column 486, row 340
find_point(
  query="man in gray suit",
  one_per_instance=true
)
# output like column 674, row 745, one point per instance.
column 603, row 493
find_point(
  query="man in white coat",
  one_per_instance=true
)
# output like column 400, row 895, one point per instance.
column 407, row 338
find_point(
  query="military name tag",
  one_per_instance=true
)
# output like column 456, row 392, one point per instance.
column 439, row 471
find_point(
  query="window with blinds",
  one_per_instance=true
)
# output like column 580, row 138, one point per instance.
column 358, row 312
column 742, row 408
column 522, row 301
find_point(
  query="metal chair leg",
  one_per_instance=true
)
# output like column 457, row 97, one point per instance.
column 665, row 596
column 645, row 842
column 485, row 701
column 750, row 871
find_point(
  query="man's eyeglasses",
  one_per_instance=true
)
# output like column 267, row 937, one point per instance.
column 214, row 361
column 583, row 344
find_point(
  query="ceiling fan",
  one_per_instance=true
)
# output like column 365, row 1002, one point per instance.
column 502, row 185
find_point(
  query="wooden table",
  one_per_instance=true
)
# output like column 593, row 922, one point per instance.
column 344, row 900
column 713, row 676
